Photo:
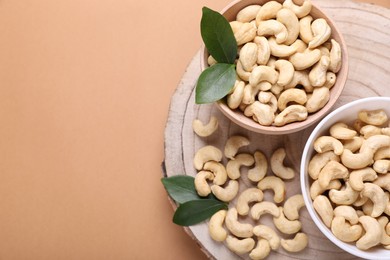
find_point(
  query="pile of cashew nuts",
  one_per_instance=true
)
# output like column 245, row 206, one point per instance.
column 350, row 174
column 240, row 227
column 287, row 62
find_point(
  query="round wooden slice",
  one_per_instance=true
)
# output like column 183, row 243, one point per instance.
column 366, row 31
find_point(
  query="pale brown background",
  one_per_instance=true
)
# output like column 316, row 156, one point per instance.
column 85, row 88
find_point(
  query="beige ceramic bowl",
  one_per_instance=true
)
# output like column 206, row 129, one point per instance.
column 239, row 118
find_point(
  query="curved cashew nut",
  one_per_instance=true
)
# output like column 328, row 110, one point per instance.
column 261, row 251
column 316, row 189
column 243, row 32
column 318, row 99
column 301, row 45
column 264, row 207
column 281, row 50
column 331, row 171
column 357, row 177
column 276, row 184
column 248, row 56
column 345, row 231
column 300, row 11
column 321, row 32
column 377, row 196
column 242, row 74
column 297, row 244
column 233, row 166
column 383, row 181
column 318, row 162
column 345, row 196
column 335, row 57
column 286, row 72
column 263, row 73
column 291, row 23
column 353, row 144
column 247, row 196
column 201, row 185
column 330, row 80
column 240, row 246
column 207, row 129
column 263, row 50
column 261, row 166
column 233, row 144
column 373, row 117
column 277, row 166
column 291, row 95
column 370, row 130
column 250, row 93
column 292, row 206
column 237, row 228
column 293, row 113
column 268, row 11
column 317, row 74
column 324, row 209
column 219, row 171
column 260, row 112
column 341, row 131
column 273, row 27
column 228, row 193
column 382, row 166
column 383, row 221
column 305, row 32
column 205, row 154
column 300, row 78
column 269, row 234
column 248, row 13
column 382, row 153
column 348, row 213
column 328, row 143
column 268, row 98
column 306, row 59
column 373, row 234
column 286, row 226
column 216, row 229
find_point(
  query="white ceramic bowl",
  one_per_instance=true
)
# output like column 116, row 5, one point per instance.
column 346, row 113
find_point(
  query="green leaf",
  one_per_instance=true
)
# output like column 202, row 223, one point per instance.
column 218, row 36
column 181, row 188
column 215, row 83
column 196, row 211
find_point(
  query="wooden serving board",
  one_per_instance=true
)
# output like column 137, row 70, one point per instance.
column 366, row 29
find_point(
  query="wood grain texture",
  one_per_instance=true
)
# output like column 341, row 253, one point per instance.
column 366, row 31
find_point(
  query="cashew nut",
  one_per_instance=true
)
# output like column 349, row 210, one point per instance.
column 281, row 50
column 297, row 244
column 324, row 209
column 373, row 117
column 248, row 56
column 264, row 207
column 233, row 166
column 317, row 74
column 383, row 221
column 261, row 166
column 345, row 196
column 227, row 193
column 293, row 113
column 306, row 59
column 382, row 153
column 328, row 143
column 341, row 131
column 316, row 189
column 242, row 74
column 300, row 11
column 263, row 50
column 219, row 171
column 240, row 246
column 291, row 23
column 358, row 124
column 305, row 32
column 276, row 184
column 261, row 251
column 247, row 196
column 263, row 73
column 248, row 13
column 292, row 206
column 382, row 166
column 370, row 130
column 357, row 177
column 277, row 166
column 233, row 144
column 373, row 234
column 353, row 144
column 318, row 99
column 269, row 234
column 237, row 228
column 300, row 78
column 268, row 11
column 207, row 129
column 301, row 45
column 345, row 231
column 377, row 196
column 260, row 112
column 347, row 212
column 250, row 93
column 205, row 154
column 273, row 27
column 286, row 72
column 291, row 95
column 332, row 170
column 286, row 226
column 321, row 32
column 216, row 229
column 243, row 32
column 268, row 98
column 383, row 181
column 201, row 185
column 330, row 80
column 335, row 57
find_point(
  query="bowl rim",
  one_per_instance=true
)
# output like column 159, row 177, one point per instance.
column 304, row 179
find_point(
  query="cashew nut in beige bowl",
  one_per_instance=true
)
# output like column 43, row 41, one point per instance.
column 347, row 114
column 237, row 115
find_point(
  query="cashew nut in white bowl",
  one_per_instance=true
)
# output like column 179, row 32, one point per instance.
column 305, row 32
column 328, row 143
column 318, row 72
column 264, row 207
column 242, row 230
column 216, row 229
column 353, row 144
column 248, row 56
column 297, row 244
column 291, row 95
column 373, row 117
column 263, row 50
column 382, row 166
column 246, row 197
column 370, row 130
column 318, row 99
column 332, row 170
column 321, row 32
column 273, row 27
column 357, row 177
column 377, row 196
column 201, row 184
column 276, row 184
column 344, row 230
column 286, row 72
column 286, row 226
column 324, row 209
column 345, row 196
column 205, row 154
column 235, row 97
column 205, row 130
column 347, row 212
column 281, row 50
column 261, row 113
column 318, row 162
column 233, row 144
column 240, row 246
column 233, row 166
column 316, row 189
column 263, row 231
column 278, row 167
column 268, row 11
column 227, row 193
column 248, row 13
column 289, row 19
column 300, row 11
column 258, row 172
column 306, row 59
column 219, row 171
column 261, row 251
column 292, row 206
column 293, row 113
column 342, row 131
column 373, row 234
column 263, row 73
